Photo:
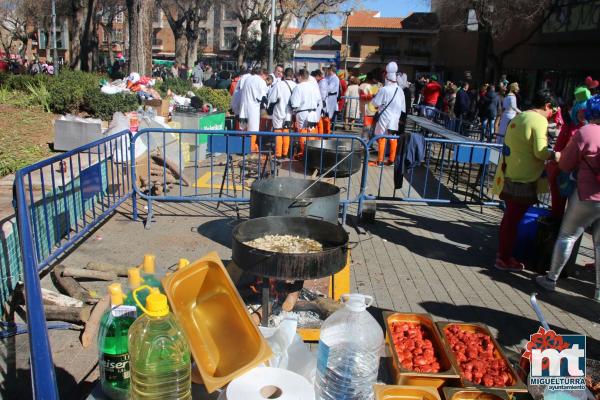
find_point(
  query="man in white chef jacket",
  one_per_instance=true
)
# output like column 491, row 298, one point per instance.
column 282, row 112
column 390, row 106
column 305, row 102
column 254, row 88
column 329, row 92
column 236, row 97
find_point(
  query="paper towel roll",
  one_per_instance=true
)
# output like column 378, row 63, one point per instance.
column 270, row 383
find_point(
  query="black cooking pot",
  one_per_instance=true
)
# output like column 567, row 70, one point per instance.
column 332, row 151
column 285, row 265
column 276, row 197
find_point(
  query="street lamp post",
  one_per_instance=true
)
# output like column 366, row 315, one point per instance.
column 348, row 14
column 272, row 38
column 55, row 55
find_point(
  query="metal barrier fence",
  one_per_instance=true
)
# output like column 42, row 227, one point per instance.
column 464, row 127
column 218, row 166
column 353, row 111
column 450, row 172
column 58, row 201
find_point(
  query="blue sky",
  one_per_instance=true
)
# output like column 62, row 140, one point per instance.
column 388, row 8
column 396, row 8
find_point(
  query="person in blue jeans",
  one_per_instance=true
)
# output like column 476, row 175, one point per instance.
column 489, row 111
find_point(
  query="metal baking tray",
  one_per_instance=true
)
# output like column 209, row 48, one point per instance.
column 385, row 392
column 516, row 385
column 223, row 339
column 448, row 373
column 474, row 394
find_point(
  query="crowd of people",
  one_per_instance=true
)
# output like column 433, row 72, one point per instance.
column 309, row 102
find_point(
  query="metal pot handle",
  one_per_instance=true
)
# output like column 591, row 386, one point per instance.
column 300, row 203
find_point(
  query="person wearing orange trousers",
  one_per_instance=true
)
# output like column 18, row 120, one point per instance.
column 305, row 102
column 390, row 105
column 279, row 99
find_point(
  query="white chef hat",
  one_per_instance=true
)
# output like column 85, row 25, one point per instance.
column 392, row 67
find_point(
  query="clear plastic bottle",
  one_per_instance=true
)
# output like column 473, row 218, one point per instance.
column 160, row 357
column 113, row 351
column 349, row 351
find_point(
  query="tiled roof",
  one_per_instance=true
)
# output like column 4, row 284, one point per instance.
column 371, row 19
column 288, row 32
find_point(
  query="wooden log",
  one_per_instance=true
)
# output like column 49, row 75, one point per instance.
column 120, row 270
column 89, row 274
column 90, row 333
column 50, row 297
column 159, row 159
column 70, row 286
column 76, row 315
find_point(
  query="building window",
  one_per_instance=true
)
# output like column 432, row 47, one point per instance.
column 229, row 14
column 119, row 18
column 229, row 37
column 117, row 35
column 203, row 38
column 354, row 46
column 156, row 42
column 388, row 45
column 157, row 17
column 203, row 14
column 418, row 47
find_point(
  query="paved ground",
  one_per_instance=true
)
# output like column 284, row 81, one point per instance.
column 413, row 258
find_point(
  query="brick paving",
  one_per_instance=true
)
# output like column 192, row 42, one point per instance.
column 413, row 258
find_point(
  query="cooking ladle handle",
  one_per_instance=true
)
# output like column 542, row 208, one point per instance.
column 323, row 175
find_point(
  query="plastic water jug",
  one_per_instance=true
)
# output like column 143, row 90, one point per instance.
column 160, row 357
column 113, row 350
column 349, row 351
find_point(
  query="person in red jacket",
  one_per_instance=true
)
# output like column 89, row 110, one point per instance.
column 431, row 94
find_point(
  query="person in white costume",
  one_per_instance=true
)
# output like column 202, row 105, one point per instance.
column 390, row 106
column 282, row 112
column 252, row 92
column 330, row 98
column 305, row 102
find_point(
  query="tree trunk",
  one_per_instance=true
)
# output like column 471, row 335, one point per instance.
column 76, row 32
column 265, row 26
column 191, row 54
column 180, row 46
column 108, row 31
column 89, row 37
column 241, row 49
column 140, row 35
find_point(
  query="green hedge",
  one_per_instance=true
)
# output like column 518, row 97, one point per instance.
column 177, row 86
column 219, row 98
column 103, row 106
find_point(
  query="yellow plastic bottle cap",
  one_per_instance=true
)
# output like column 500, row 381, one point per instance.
column 116, row 294
column 149, row 263
column 156, row 304
column 134, row 277
column 183, row 262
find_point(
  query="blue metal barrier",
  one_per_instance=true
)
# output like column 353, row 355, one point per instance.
column 58, row 201
column 428, row 182
column 228, row 156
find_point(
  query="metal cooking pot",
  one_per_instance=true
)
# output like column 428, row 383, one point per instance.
column 333, row 151
column 285, row 265
column 276, row 197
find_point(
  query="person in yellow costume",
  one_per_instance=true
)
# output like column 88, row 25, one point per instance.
column 519, row 176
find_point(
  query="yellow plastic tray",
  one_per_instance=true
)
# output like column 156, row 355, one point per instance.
column 384, row 392
column 473, row 394
column 223, row 339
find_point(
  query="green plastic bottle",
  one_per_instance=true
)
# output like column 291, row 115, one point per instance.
column 134, row 279
column 160, row 357
column 113, row 347
column 149, row 272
